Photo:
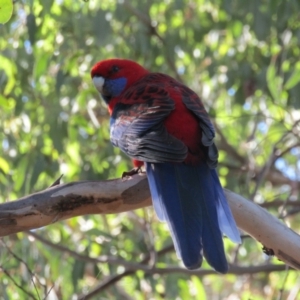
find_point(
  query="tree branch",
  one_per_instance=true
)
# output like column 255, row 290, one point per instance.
column 73, row 199
column 114, row 196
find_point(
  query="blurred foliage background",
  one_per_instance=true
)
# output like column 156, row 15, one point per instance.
column 241, row 57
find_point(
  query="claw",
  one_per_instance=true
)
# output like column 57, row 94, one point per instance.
column 268, row 251
column 132, row 172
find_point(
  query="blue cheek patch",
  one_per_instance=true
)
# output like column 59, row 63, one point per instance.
column 116, row 86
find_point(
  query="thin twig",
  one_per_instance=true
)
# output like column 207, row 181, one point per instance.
column 100, row 259
column 17, row 284
column 143, row 266
column 107, row 282
column 32, row 275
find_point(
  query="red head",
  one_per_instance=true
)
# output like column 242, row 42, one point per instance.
column 113, row 76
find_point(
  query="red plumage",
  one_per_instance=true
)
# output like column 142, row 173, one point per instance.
column 182, row 123
column 161, row 123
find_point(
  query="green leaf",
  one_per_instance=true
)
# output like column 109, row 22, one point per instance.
column 6, row 10
column 273, row 81
column 4, row 165
column 200, row 291
column 77, row 272
column 21, row 173
column 293, row 80
column 38, row 168
column 10, row 69
column 184, row 289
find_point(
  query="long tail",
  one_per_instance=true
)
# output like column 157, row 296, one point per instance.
column 191, row 200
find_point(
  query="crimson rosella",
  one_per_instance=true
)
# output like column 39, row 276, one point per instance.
column 161, row 123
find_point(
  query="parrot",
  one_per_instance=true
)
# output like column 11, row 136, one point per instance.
column 161, row 124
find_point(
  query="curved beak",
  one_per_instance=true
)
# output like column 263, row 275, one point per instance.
column 99, row 83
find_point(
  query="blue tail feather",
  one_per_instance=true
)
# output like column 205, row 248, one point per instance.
column 157, row 204
column 188, row 199
column 226, row 220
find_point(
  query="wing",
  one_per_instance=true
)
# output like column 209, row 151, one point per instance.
column 193, row 103
column 137, row 125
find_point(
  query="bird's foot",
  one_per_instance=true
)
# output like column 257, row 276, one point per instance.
column 132, row 172
column 268, row 251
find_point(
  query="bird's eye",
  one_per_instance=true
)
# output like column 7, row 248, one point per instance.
column 115, row 69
